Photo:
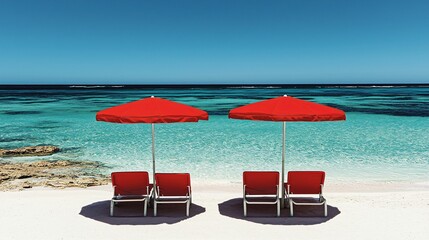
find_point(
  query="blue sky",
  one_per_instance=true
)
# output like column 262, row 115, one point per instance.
column 138, row 42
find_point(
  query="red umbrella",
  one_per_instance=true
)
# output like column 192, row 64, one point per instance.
column 152, row 110
column 287, row 109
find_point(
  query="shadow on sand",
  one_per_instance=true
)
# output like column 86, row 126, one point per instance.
column 266, row 214
column 132, row 213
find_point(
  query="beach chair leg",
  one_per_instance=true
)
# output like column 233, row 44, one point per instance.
column 149, row 199
column 154, row 208
column 188, row 204
column 244, row 207
column 291, row 207
column 278, row 208
column 286, row 202
column 145, row 207
column 326, row 209
column 112, row 205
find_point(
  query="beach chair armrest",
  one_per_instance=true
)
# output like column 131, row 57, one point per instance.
column 156, row 191
column 244, row 190
column 277, row 191
column 189, row 191
column 287, row 190
column 147, row 190
column 151, row 193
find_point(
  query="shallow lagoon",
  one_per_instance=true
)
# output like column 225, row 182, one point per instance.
column 385, row 137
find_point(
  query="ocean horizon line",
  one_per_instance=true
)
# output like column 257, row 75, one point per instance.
column 244, row 86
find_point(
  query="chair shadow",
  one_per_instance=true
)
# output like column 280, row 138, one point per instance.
column 132, row 213
column 266, row 214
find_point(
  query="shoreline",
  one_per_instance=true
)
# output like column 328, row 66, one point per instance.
column 69, row 174
column 233, row 187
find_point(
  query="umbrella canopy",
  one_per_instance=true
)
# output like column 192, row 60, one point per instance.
column 287, row 109
column 152, row 110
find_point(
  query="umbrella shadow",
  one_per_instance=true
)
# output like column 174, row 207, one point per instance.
column 132, row 213
column 266, row 214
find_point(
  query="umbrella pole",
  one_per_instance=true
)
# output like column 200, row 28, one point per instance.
column 153, row 154
column 283, row 166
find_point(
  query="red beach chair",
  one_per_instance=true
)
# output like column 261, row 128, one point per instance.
column 172, row 188
column 305, row 183
column 130, row 187
column 262, row 186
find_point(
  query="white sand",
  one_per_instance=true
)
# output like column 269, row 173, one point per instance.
column 83, row 214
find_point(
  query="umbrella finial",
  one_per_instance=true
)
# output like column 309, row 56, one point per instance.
column 152, row 96
column 285, row 95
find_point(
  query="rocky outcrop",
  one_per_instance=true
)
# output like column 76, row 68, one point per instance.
column 29, row 151
column 57, row 174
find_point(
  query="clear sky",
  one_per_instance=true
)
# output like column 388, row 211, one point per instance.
column 217, row 41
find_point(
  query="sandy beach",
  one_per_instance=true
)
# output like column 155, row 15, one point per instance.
column 396, row 212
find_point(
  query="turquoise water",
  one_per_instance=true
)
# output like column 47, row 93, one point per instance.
column 385, row 137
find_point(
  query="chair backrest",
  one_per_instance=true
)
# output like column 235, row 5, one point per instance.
column 130, row 183
column 261, row 182
column 173, row 184
column 305, row 182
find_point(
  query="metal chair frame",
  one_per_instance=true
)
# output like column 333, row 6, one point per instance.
column 248, row 197
column 291, row 202
column 159, row 199
column 131, row 198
